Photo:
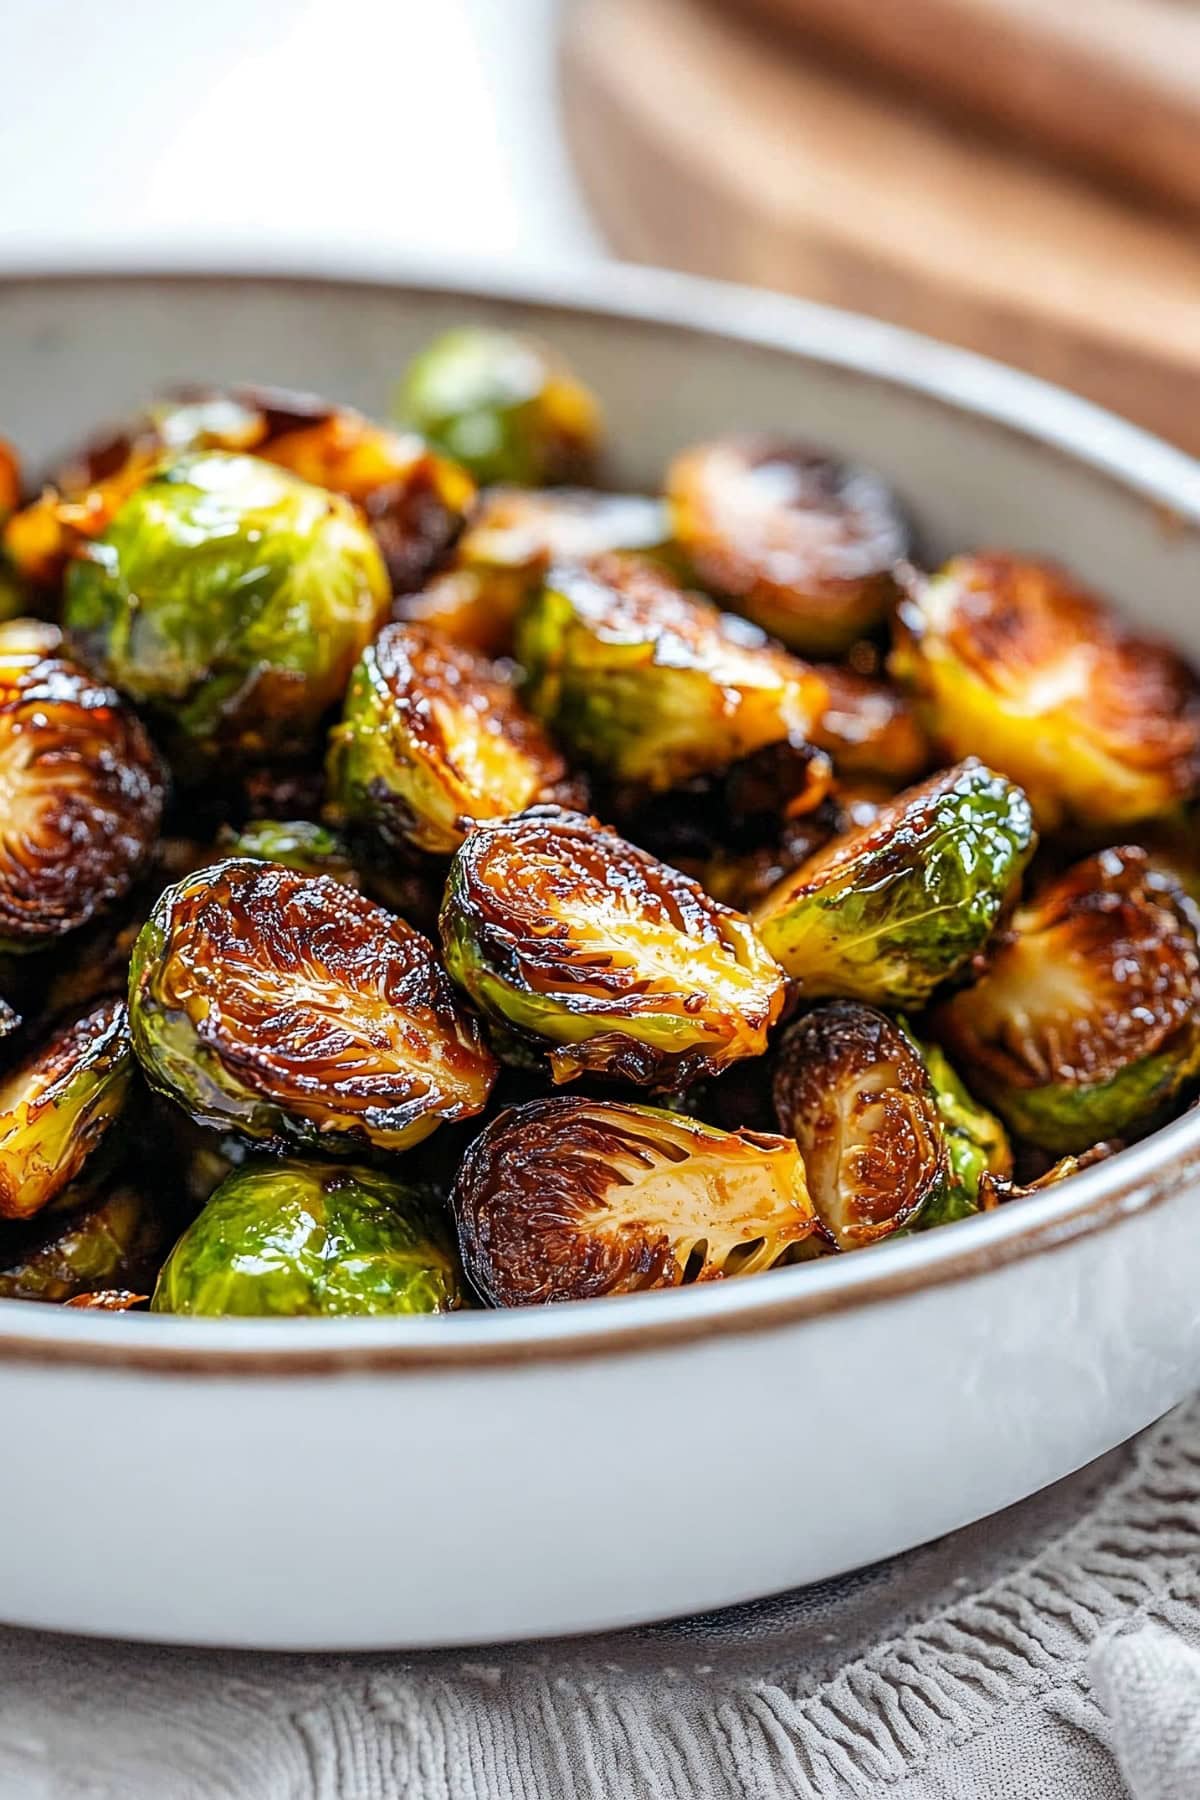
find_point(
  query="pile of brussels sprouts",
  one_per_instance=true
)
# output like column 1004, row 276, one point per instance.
column 429, row 879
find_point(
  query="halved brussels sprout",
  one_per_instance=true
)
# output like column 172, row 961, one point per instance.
column 117, row 1241
column 893, row 910
column 1016, row 662
column 566, row 1199
column 231, row 598
column 611, row 960
column 295, row 844
column 504, row 406
column 515, row 535
column 653, row 685
column 1086, row 1022
column 82, row 789
column 432, row 739
column 889, row 1137
column 296, row 1238
column 803, row 543
column 57, row 1106
column 292, row 1010
column 869, row 729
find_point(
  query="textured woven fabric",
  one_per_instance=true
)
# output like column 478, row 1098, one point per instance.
column 1051, row 1652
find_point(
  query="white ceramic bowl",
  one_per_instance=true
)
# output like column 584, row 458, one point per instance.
column 428, row 1481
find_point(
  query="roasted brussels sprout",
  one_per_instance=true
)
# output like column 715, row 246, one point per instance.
column 1017, row 663
column 83, row 792
column 614, row 962
column 116, row 1241
column 515, row 535
column 869, row 729
column 566, row 1199
column 294, row 1011
column 893, row 910
column 1086, row 1022
column 801, row 542
column 295, row 844
column 232, row 599
column 293, row 1238
column 504, row 406
column 889, row 1139
column 431, row 740
column 653, row 685
column 57, row 1106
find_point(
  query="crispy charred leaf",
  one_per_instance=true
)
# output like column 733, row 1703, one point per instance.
column 503, row 405
column 57, row 1106
column 893, row 910
column 801, row 542
column 116, row 1241
column 110, row 1300
column 296, row 1012
column 83, row 792
column 296, row 1238
column 567, row 1199
column 432, row 738
column 652, row 685
column 232, row 600
column 1086, row 1022
column 612, row 961
column 852, row 1089
column 869, row 729
column 1017, row 663
column 295, row 844
column 514, row 536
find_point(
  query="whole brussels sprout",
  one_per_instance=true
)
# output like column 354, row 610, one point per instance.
column 83, row 792
column 869, row 729
column 610, row 960
column 504, row 406
column 299, row 1238
column 294, row 1011
column 566, row 1199
column 514, row 536
column 115, row 1241
column 801, row 542
column 653, row 685
column 1014, row 661
column 297, row 844
column 232, row 599
column 431, row 740
column 58, row 1105
column 893, row 910
column 1086, row 1022
column 889, row 1137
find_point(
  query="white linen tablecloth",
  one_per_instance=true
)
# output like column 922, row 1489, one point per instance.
column 1051, row 1652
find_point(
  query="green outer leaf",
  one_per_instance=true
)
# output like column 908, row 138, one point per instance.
column 1065, row 1120
column 292, row 1238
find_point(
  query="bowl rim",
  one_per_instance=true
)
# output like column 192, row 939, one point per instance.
column 1096, row 1200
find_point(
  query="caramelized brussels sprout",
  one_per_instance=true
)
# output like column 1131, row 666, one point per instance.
column 614, row 962
column 57, row 1106
column 1016, row 662
column 566, row 1199
column 889, row 1139
column 431, row 740
column 294, row 1011
column 115, row 1241
column 295, row 844
column 297, row 1238
column 231, row 598
column 653, row 685
column 513, row 538
column 894, row 909
column 1086, row 1022
column 801, row 542
column 504, row 406
column 869, row 729
column 83, row 792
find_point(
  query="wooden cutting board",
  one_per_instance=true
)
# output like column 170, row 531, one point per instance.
column 706, row 143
